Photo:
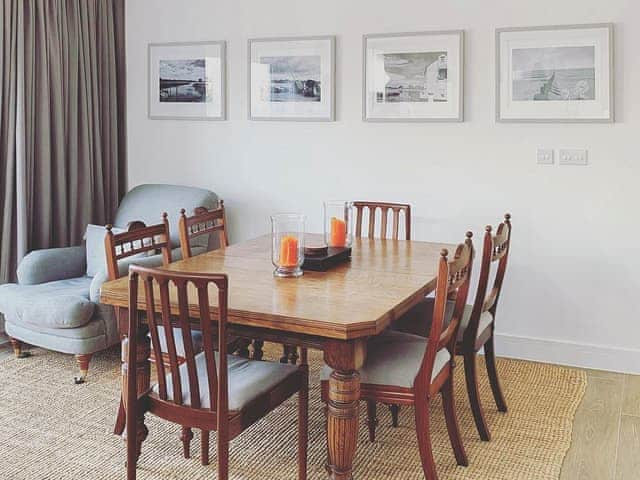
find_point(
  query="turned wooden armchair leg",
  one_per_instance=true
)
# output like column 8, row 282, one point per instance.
column 83, row 364
column 17, row 348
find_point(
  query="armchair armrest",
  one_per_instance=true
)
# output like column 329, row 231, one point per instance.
column 123, row 268
column 42, row 266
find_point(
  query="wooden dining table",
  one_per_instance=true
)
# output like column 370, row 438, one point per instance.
column 334, row 311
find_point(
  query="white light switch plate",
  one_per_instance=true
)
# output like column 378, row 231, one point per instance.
column 545, row 156
column 573, row 156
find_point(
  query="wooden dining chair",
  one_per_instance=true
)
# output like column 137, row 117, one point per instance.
column 211, row 391
column 393, row 210
column 365, row 209
column 202, row 222
column 478, row 322
column 407, row 369
column 138, row 241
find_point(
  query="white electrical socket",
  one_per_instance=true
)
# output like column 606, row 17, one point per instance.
column 545, row 156
column 573, row 156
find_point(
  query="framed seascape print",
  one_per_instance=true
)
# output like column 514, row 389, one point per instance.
column 413, row 77
column 292, row 78
column 555, row 74
column 187, row 81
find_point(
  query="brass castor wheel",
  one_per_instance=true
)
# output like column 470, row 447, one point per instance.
column 22, row 355
column 79, row 380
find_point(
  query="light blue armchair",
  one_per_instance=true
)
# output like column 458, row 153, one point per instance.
column 55, row 304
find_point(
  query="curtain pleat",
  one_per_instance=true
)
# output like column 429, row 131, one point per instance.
column 8, row 111
column 74, row 165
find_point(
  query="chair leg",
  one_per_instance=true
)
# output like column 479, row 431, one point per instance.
column 372, row 421
column 471, row 376
column 121, row 420
column 223, row 457
column 257, row 349
column 423, row 433
column 243, row 349
column 395, row 413
column 490, row 362
column 186, row 435
column 449, row 405
column 303, row 429
column 83, row 364
column 17, row 348
column 204, row 446
column 289, row 354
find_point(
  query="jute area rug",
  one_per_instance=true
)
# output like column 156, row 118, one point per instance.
column 52, row 429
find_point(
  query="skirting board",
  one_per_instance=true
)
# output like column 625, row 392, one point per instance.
column 584, row 355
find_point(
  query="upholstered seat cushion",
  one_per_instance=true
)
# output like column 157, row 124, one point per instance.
column 394, row 359
column 486, row 319
column 196, row 338
column 418, row 320
column 248, row 379
column 60, row 304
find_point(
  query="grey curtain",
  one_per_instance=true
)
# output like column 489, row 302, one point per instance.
column 69, row 150
column 8, row 104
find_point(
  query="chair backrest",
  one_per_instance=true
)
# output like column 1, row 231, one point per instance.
column 395, row 209
column 203, row 222
column 143, row 203
column 495, row 249
column 185, row 285
column 139, row 239
column 452, row 285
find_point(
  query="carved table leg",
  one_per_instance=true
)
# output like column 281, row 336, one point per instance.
column 345, row 358
column 143, row 375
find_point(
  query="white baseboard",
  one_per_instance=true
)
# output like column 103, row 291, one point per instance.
column 599, row 357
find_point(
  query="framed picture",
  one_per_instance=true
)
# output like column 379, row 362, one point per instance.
column 187, row 81
column 555, row 74
column 413, row 77
column 292, row 78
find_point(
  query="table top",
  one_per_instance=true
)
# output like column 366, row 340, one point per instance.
column 360, row 298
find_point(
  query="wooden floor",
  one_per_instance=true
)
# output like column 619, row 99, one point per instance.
column 606, row 432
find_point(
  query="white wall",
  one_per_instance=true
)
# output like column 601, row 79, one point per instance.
column 572, row 290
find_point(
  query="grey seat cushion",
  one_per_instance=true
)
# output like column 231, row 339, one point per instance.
column 196, row 338
column 418, row 319
column 247, row 380
column 60, row 304
column 486, row 319
column 395, row 358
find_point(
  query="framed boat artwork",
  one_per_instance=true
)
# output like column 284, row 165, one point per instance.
column 292, row 78
column 413, row 77
column 187, row 81
column 555, row 74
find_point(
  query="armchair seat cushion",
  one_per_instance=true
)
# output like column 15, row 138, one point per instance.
column 59, row 304
column 247, row 379
column 394, row 358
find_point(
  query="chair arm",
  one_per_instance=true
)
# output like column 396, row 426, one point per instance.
column 42, row 266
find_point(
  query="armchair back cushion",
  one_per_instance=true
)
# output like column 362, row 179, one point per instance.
column 146, row 203
column 96, row 255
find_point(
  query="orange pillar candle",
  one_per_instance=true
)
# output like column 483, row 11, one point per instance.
column 288, row 251
column 338, row 236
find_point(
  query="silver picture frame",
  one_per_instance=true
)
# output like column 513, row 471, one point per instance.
column 457, row 116
column 330, row 107
column 608, row 97
column 152, row 93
